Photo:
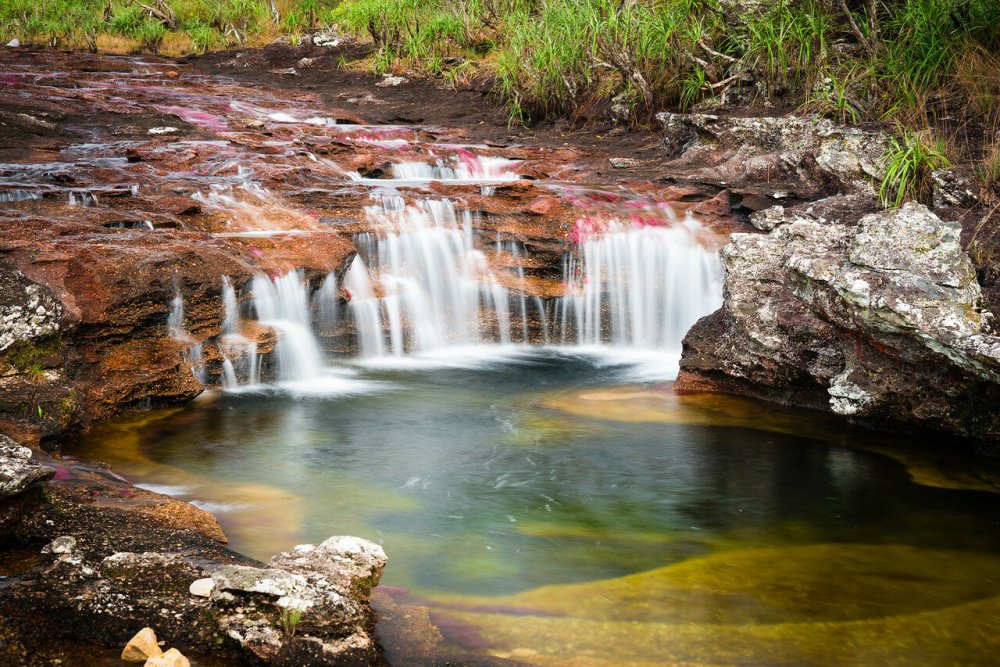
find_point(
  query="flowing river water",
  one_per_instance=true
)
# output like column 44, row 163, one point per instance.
column 511, row 437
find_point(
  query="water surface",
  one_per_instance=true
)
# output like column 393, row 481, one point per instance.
column 549, row 510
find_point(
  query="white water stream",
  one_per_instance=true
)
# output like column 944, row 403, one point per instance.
column 422, row 291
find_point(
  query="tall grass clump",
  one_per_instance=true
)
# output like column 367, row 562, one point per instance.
column 908, row 166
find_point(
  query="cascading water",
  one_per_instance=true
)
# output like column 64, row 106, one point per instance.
column 462, row 168
column 239, row 355
column 283, row 304
column 640, row 287
column 437, row 289
column 192, row 354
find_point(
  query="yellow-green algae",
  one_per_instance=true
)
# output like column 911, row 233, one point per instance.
column 819, row 604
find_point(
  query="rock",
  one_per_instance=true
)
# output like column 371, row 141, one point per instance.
column 391, row 81
column 142, row 647
column 329, row 584
column 621, row 108
column 883, row 320
column 28, row 311
column 953, row 187
column 769, row 218
column 202, row 587
column 65, row 544
column 255, row 124
column 351, row 566
column 14, row 43
column 166, row 129
column 172, row 658
column 149, row 571
column 285, row 71
column 326, row 39
column 807, row 156
column 305, row 63
column 625, row 162
column 273, row 582
column 17, row 471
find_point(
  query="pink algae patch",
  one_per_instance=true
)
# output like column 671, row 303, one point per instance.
column 203, row 119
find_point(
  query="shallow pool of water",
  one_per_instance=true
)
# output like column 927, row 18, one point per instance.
column 547, row 510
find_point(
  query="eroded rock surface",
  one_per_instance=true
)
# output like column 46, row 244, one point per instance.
column 883, row 321
column 777, row 158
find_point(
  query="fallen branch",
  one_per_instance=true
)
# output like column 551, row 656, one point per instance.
column 162, row 11
column 854, row 25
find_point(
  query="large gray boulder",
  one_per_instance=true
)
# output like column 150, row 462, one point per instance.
column 883, row 320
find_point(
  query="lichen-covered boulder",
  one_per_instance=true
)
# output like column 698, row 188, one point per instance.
column 309, row 606
column 28, row 310
column 18, row 472
column 882, row 320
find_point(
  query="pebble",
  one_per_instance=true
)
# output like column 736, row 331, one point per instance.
column 172, row 658
column 391, row 81
column 163, row 130
column 625, row 163
column 202, row 587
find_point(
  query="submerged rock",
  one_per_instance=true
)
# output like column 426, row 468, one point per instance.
column 883, row 320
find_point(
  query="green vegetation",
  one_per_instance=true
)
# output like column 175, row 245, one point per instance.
column 290, row 617
column 31, row 357
column 557, row 56
column 909, row 164
column 914, row 62
column 170, row 26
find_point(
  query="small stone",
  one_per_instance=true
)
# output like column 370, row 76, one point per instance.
column 163, row 130
column 391, row 82
column 255, row 125
column 14, row 43
column 625, row 163
column 60, row 545
column 287, row 71
column 324, row 39
column 305, row 63
column 172, row 658
column 202, row 588
column 142, row 647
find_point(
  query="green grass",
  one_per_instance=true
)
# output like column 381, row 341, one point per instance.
column 908, row 167
column 199, row 25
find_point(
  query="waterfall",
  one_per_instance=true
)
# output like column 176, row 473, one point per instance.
column 239, row 355
column 283, row 304
column 462, row 168
column 640, row 287
column 192, row 354
column 436, row 288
